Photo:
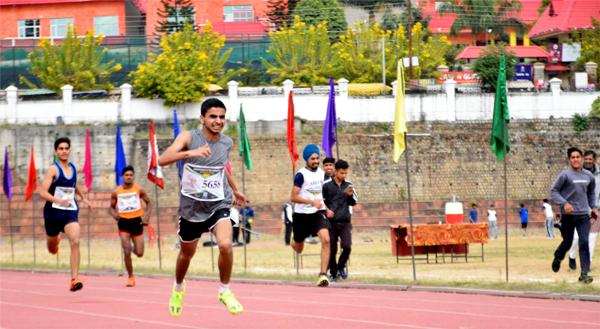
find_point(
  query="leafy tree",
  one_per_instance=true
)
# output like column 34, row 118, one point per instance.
column 280, row 12
column 174, row 15
column 302, row 53
column 189, row 62
column 480, row 15
column 486, row 66
column 372, row 5
column 595, row 112
column 77, row 62
column 590, row 44
column 313, row 12
column 392, row 22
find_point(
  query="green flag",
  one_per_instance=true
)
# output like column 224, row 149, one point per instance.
column 244, row 142
column 501, row 115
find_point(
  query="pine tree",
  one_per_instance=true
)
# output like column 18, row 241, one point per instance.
column 173, row 15
column 280, row 12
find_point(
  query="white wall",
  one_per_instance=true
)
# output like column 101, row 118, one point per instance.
column 439, row 107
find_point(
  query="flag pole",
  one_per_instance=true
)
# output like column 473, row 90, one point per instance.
column 33, row 227
column 504, row 136
column 10, row 229
column 158, row 227
column 89, row 241
column 410, row 214
column 243, row 226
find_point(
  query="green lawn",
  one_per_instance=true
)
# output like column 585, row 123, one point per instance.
column 371, row 262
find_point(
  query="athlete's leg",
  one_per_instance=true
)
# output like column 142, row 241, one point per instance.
column 126, row 247
column 325, row 248
column 53, row 242
column 72, row 230
column 223, row 233
column 138, row 245
column 186, row 252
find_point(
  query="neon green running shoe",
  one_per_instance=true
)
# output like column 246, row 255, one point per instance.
column 176, row 302
column 228, row 299
column 323, row 280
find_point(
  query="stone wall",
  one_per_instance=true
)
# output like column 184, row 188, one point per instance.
column 453, row 159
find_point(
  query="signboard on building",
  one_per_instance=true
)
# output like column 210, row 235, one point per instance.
column 463, row 77
column 555, row 51
column 571, row 52
column 522, row 72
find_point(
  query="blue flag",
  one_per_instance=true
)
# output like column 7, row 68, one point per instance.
column 329, row 128
column 175, row 134
column 7, row 177
column 120, row 162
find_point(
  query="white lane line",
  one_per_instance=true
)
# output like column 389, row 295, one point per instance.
column 99, row 315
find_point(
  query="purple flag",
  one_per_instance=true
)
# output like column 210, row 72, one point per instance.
column 7, row 177
column 329, row 128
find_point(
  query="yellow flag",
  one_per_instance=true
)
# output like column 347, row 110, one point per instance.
column 400, row 117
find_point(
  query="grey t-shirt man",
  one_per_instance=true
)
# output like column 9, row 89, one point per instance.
column 576, row 188
column 199, row 211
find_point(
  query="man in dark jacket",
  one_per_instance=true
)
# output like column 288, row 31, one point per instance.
column 339, row 195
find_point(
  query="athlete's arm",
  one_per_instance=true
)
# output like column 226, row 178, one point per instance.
column 50, row 175
column 240, row 198
column 148, row 211
column 113, row 206
column 296, row 198
column 178, row 150
column 82, row 197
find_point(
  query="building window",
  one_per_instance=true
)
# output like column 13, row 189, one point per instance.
column 59, row 27
column 238, row 14
column 178, row 17
column 107, row 25
column 29, row 28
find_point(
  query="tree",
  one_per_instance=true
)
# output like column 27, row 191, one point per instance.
column 76, row 62
column 481, row 15
column 189, row 62
column 392, row 22
column 372, row 5
column 590, row 44
column 174, row 15
column 301, row 53
column 486, row 66
column 280, row 12
column 313, row 12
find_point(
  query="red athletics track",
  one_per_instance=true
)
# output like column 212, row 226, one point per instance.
column 42, row 300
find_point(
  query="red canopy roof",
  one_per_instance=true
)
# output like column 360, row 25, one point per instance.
column 472, row 52
column 557, row 68
column 567, row 15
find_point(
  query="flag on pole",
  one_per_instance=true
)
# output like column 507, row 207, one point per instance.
column 87, row 165
column 399, row 117
column 31, row 177
column 175, row 134
column 501, row 115
column 329, row 137
column 120, row 162
column 245, row 147
column 154, row 170
column 7, row 177
column 291, row 136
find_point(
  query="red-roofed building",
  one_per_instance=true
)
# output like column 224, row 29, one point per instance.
column 473, row 52
column 236, row 19
column 441, row 24
column 32, row 19
column 564, row 16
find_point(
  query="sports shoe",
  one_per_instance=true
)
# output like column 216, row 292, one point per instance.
column 323, row 280
column 228, row 299
column 344, row 274
column 556, row 264
column 76, row 284
column 572, row 263
column 585, row 278
column 176, row 302
column 130, row 282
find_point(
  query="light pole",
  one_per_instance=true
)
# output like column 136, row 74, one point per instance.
column 488, row 36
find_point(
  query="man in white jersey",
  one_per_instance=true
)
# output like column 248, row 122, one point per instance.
column 206, row 197
column 309, row 209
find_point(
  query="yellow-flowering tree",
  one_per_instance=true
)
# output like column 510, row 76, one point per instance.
column 429, row 49
column 77, row 62
column 302, row 53
column 190, row 61
column 359, row 53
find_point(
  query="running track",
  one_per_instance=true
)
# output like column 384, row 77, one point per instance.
column 42, row 300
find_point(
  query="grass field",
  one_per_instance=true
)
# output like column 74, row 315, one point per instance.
column 371, row 262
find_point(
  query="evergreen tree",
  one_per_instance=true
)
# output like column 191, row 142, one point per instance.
column 313, row 12
column 174, row 15
column 280, row 12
